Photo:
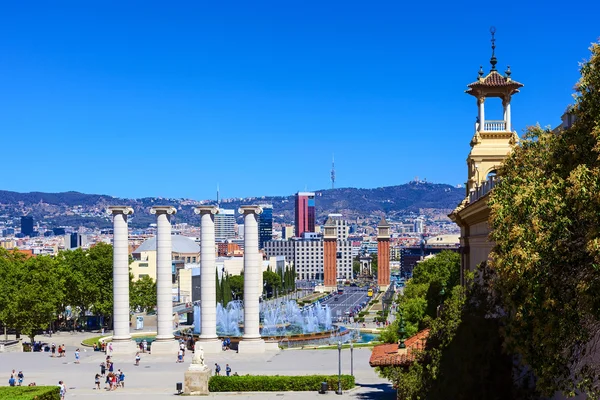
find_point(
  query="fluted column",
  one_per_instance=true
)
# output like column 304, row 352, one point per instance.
column 164, row 283
column 122, row 342
column 251, row 341
column 208, row 291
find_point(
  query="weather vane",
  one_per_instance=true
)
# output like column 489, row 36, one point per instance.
column 493, row 60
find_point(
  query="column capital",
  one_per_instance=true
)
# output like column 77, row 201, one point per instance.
column 251, row 209
column 163, row 210
column 206, row 210
column 113, row 210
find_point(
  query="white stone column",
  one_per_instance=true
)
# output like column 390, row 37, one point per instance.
column 508, row 123
column 480, row 101
column 122, row 343
column 165, row 342
column 208, row 291
column 251, row 341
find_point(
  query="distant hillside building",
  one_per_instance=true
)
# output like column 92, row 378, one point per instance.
column 225, row 224
column 305, row 213
column 27, row 225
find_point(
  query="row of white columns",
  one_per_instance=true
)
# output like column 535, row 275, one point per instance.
column 165, row 344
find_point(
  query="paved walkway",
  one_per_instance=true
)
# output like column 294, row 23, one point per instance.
column 157, row 376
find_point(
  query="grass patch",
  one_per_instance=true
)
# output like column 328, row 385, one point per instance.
column 90, row 341
column 277, row 383
column 30, row 393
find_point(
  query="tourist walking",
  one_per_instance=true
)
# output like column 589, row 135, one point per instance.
column 77, row 356
column 227, row 369
column 21, row 376
column 217, row 369
column 110, row 348
column 137, row 359
column 97, row 381
column 122, row 378
column 180, row 356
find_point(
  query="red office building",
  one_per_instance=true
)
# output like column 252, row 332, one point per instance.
column 305, row 213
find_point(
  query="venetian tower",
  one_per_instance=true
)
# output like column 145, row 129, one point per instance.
column 330, row 255
column 493, row 138
column 383, row 254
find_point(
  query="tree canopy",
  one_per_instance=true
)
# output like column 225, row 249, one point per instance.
column 544, row 220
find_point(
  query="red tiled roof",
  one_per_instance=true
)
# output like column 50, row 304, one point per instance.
column 494, row 79
column 386, row 355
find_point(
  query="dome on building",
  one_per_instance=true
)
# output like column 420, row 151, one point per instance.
column 179, row 244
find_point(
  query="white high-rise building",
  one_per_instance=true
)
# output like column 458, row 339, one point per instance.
column 419, row 225
column 225, row 224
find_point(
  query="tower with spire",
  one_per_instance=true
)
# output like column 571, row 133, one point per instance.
column 332, row 172
column 493, row 138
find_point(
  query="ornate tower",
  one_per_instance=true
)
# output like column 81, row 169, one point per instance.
column 493, row 138
column 383, row 254
column 330, row 255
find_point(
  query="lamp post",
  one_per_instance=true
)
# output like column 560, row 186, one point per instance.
column 339, row 391
column 352, row 358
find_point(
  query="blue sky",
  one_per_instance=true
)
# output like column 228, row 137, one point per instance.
column 150, row 98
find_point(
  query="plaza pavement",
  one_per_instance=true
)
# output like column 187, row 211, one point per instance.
column 156, row 376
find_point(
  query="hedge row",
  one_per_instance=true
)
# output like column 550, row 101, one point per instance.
column 30, row 393
column 277, row 383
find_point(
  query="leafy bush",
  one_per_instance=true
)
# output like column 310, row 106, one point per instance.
column 277, row 383
column 362, row 313
column 30, row 393
column 374, row 301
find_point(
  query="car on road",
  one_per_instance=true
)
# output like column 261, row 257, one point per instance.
column 335, row 299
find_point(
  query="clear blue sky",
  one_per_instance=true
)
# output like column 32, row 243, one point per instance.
column 168, row 99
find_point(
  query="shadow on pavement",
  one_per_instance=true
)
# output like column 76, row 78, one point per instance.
column 377, row 391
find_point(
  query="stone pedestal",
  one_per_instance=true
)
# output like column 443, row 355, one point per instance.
column 169, row 347
column 195, row 381
column 251, row 346
column 126, row 346
column 211, row 346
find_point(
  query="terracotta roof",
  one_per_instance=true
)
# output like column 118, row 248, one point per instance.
column 494, row 80
column 386, row 355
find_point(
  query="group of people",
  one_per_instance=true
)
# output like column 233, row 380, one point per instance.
column 226, row 344
column 227, row 370
column 113, row 379
column 62, row 350
column 143, row 346
column 16, row 379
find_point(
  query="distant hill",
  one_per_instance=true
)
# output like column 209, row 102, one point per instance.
column 79, row 209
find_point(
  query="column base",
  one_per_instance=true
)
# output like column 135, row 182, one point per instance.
column 331, row 288
column 251, row 346
column 195, row 382
column 169, row 347
column 211, row 346
column 124, row 346
column 383, row 288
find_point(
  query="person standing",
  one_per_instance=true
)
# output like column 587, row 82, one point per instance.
column 102, row 369
column 11, row 381
column 137, row 358
column 227, row 369
column 180, row 356
column 53, row 349
column 77, row 356
column 217, row 369
column 110, row 348
column 145, row 345
column 21, row 376
column 122, row 378
column 97, row 381
column 63, row 390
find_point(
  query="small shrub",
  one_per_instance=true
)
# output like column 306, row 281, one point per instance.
column 30, row 393
column 277, row 383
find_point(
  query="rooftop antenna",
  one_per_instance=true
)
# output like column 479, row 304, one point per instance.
column 493, row 60
column 217, row 194
column 332, row 171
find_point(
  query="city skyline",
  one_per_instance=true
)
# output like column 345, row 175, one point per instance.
column 171, row 92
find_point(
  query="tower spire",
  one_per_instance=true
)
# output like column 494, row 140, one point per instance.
column 493, row 60
column 332, row 172
column 217, row 194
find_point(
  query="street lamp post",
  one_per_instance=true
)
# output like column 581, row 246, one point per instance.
column 352, row 358
column 339, row 391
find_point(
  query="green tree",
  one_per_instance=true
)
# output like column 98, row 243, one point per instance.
column 38, row 292
column 142, row 294
column 544, row 220
column 219, row 289
column 374, row 266
column 356, row 266
column 272, row 281
column 236, row 283
column 227, row 297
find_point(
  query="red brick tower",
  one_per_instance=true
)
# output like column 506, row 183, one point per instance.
column 330, row 255
column 383, row 254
